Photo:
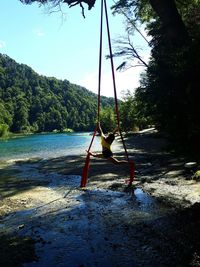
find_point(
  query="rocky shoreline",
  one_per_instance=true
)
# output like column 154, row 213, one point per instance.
column 157, row 214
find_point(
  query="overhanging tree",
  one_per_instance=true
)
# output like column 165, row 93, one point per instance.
column 165, row 9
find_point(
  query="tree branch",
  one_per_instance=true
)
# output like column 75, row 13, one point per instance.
column 71, row 3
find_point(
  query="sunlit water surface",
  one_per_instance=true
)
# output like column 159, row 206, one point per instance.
column 46, row 145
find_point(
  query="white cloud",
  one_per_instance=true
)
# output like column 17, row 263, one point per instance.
column 2, row 44
column 124, row 80
column 39, row 32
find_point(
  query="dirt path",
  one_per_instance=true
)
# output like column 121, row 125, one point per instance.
column 44, row 211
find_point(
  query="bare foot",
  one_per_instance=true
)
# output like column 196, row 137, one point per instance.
column 90, row 153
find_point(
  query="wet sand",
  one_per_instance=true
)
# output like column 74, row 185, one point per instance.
column 154, row 223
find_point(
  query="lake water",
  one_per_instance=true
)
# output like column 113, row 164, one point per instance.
column 46, row 145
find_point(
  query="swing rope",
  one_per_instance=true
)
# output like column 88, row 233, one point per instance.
column 114, row 83
column 99, row 77
column 87, row 162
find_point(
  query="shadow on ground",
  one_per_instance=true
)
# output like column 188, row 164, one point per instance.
column 62, row 225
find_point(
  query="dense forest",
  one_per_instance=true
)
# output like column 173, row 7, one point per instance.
column 33, row 103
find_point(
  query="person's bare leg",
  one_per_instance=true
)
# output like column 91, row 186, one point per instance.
column 96, row 155
column 117, row 162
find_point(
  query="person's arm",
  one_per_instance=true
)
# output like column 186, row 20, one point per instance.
column 116, row 130
column 100, row 130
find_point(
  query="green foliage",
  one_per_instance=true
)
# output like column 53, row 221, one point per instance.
column 133, row 113
column 4, row 130
column 108, row 120
column 5, row 116
column 128, row 113
column 134, row 9
column 33, row 103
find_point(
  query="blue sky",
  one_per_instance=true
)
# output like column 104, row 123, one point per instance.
column 65, row 45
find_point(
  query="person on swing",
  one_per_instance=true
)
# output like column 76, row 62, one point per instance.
column 106, row 142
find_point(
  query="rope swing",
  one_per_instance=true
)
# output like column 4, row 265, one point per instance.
column 87, row 162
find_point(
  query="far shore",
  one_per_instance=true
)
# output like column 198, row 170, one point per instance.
column 15, row 135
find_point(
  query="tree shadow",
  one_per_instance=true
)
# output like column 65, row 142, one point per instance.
column 104, row 229
column 16, row 250
column 73, row 165
column 152, row 158
column 11, row 183
column 97, row 226
column 41, row 172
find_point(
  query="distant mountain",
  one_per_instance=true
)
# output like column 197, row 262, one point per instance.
column 30, row 102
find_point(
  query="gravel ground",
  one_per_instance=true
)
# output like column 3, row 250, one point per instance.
column 47, row 220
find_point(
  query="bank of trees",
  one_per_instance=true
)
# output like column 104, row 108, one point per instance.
column 33, row 103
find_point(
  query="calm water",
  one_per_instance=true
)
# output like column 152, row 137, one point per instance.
column 46, row 145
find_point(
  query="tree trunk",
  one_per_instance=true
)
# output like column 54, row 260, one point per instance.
column 171, row 20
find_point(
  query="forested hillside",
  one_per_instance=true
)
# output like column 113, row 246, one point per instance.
column 33, row 103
